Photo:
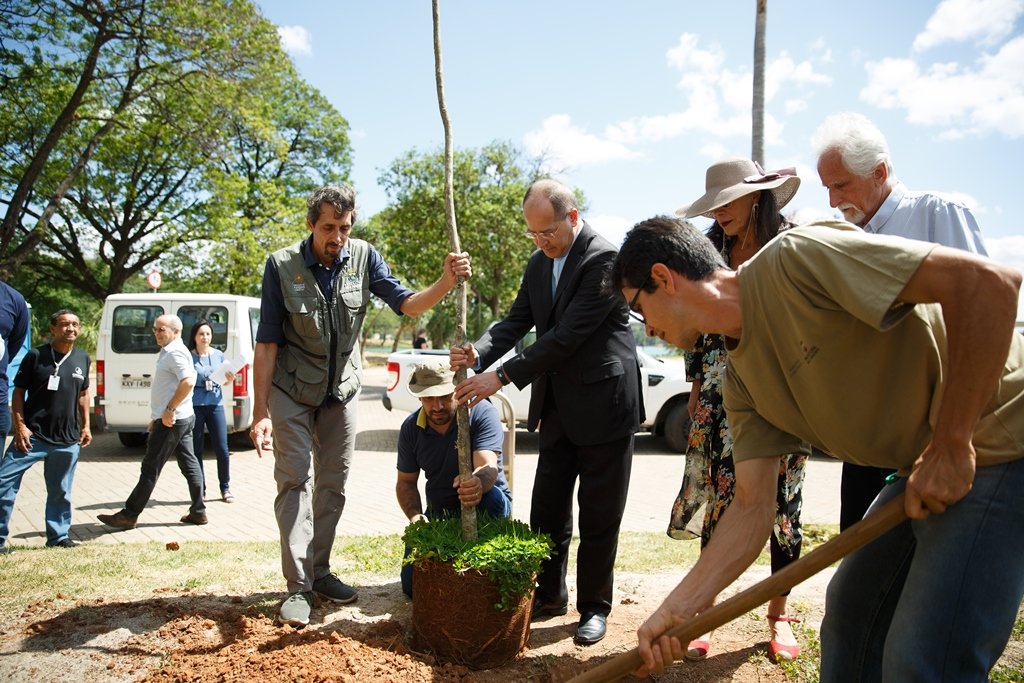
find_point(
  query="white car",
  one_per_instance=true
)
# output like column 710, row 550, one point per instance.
column 665, row 388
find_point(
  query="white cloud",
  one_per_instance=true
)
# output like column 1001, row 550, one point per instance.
column 785, row 70
column 612, row 228
column 989, row 97
column 686, row 56
column 986, row 21
column 718, row 103
column 295, row 40
column 795, row 105
column 713, row 151
column 1008, row 250
column 566, row 144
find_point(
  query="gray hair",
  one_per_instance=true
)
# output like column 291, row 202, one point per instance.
column 859, row 142
column 341, row 197
column 172, row 321
column 563, row 200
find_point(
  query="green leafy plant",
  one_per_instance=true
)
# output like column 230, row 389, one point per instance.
column 505, row 550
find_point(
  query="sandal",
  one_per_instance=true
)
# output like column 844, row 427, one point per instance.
column 778, row 651
column 697, row 650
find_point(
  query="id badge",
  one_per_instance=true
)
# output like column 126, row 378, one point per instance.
column 53, row 382
column 209, row 385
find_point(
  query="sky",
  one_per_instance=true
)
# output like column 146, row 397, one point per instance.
column 632, row 101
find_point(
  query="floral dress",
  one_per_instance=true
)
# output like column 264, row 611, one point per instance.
column 709, row 478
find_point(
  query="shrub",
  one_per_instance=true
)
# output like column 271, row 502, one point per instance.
column 505, row 550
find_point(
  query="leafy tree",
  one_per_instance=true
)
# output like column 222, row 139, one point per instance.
column 203, row 169
column 283, row 140
column 489, row 186
column 124, row 58
column 139, row 197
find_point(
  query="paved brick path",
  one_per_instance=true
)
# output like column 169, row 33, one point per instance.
column 107, row 472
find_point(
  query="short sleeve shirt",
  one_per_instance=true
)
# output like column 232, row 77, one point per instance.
column 828, row 355
column 53, row 415
column 420, row 447
column 173, row 364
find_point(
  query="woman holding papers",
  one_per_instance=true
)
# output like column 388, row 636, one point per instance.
column 206, row 401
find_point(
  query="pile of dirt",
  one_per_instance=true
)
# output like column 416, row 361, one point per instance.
column 183, row 636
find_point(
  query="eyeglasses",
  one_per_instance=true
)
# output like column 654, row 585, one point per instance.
column 161, row 329
column 632, row 302
column 545, row 234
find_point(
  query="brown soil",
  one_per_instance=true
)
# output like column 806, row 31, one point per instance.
column 182, row 636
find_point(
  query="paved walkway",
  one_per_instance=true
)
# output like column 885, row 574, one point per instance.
column 107, row 472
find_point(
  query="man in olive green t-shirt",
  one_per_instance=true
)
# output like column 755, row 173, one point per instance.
column 921, row 340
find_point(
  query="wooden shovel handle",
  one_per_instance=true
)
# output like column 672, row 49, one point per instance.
column 861, row 533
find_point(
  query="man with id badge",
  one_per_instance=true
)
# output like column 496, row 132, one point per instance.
column 50, row 411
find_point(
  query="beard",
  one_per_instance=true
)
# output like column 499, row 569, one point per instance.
column 440, row 418
column 852, row 214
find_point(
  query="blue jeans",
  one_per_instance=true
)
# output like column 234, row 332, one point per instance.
column 933, row 599
column 58, row 472
column 212, row 418
column 495, row 503
column 161, row 443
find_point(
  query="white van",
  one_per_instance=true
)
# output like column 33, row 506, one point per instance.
column 126, row 355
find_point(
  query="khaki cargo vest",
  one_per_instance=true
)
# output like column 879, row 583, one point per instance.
column 319, row 357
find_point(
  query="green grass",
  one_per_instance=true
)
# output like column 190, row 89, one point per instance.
column 136, row 571
column 504, row 549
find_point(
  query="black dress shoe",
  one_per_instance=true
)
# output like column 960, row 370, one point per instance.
column 591, row 629
column 547, row 609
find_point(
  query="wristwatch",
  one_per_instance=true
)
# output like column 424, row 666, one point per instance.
column 502, row 377
column 169, row 409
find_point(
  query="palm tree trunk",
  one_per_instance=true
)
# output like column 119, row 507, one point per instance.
column 757, row 113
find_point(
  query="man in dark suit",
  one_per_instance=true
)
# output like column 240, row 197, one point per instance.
column 586, row 398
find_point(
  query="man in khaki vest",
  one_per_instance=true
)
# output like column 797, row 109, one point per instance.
column 305, row 374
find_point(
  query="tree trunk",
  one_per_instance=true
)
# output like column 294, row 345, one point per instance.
column 757, row 113
column 465, row 457
column 16, row 205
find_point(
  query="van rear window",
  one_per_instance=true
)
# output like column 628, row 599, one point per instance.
column 217, row 317
column 133, row 329
column 254, row 324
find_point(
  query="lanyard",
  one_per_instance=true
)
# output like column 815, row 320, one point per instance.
column 56, row 365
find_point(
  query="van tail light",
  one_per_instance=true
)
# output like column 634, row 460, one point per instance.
column 101, row 385
column 241, row 384
column 393, row 373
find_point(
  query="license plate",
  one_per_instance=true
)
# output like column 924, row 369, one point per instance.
column 134, row 383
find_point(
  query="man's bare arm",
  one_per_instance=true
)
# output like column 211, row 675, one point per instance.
column 979, row 306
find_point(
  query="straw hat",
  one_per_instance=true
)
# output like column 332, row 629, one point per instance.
column 731, row 179
column 431, row 380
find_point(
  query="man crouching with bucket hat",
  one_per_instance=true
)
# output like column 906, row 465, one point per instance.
column 427, row 442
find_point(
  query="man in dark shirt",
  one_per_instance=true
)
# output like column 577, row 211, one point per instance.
column 51, row 424
column 13, row 331
column 427, row 442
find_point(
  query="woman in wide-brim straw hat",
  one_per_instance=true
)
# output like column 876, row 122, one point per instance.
column 744, row 201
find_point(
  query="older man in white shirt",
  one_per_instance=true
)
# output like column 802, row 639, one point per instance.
column 854, row 166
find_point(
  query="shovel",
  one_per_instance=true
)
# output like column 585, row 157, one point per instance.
column 861, row 533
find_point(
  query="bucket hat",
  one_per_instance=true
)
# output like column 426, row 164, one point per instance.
column 728, row 180
column 430, row 379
